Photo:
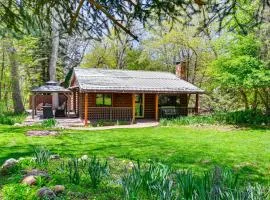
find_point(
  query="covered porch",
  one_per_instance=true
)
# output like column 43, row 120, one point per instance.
column 131, row 107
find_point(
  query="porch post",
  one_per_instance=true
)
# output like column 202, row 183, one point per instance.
column 33, row 106
column 85, row 109
column 197, row 104
column 133, row 107
column 156, row 107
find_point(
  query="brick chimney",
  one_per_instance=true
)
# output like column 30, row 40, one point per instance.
column 180, row 69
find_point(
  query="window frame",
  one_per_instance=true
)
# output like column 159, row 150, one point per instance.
column 103, row 100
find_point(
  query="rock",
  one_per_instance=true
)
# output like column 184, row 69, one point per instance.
column 58, row 189
column 111, row 158
column 84, row 157
column 205, row 161
column 54, row 157
column 21, row 159
column 17, row 124
column 36, row 172
column 8, row 164
column 29, row 180
column 42, row 133
column 46, row 193
column 130, row 165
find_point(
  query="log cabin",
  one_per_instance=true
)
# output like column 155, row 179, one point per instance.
column 128, row 95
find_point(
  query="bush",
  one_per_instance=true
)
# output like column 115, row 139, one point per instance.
column 245, row 117
column 97, row 171
column 132, row 182
column 49, row 123
column 17, row 191
column 158, row 182
column 11, row 118
column 42, row 156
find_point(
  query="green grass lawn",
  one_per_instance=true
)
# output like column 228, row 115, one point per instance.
column 247, row 150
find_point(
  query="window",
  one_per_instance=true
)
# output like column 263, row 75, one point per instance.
column 103, row 100
column 165, row 100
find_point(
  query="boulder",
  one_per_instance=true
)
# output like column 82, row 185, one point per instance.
column 84, row 157
column 36, row 172
column 130, row 165
column 54, row 157
column 46, row 193
column 58, row 189
column 29, row 180
column 8, row 164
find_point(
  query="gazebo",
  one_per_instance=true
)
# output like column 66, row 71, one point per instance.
column 44, row 94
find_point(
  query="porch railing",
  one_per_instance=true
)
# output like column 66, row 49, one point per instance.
column 171, row 111
column 110, row 113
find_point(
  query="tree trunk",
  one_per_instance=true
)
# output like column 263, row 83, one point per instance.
column 2, row 72
column 15, row 83
column 255, row 99
column 245, row 99
column 55, row 46
column 54, row 56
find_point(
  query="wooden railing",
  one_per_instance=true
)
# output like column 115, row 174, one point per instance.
column 110, row 113
column 171, row 111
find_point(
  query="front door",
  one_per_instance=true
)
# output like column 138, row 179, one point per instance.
column 139, row 105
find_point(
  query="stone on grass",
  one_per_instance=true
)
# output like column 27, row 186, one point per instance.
column 21, row 159
column 8, row 164
column 36, row 172
column 29, row 180
column 42, row 133
column 205, row 162
column 46, row 193
column 84, row 157
column 130, row 165
column 58, row 189
column 54, row 157
column 111, row 158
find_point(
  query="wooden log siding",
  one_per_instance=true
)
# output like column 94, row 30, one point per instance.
column 120, row 110
column 149, row 106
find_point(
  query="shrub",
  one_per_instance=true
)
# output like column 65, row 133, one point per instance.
column 97, row 171
column 49, row 123
column 42, row 156
column 131, row 182
column 157, row 181
column 72, row 170
column 17, row 191
column 246, row 117
column 11, row 118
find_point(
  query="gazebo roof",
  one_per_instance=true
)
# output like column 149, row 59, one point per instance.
column 49, row 87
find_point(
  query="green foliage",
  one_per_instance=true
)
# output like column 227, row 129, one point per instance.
column 97, row 171
column 17, row 191
column 131, row 182
column 157, row 182
column 49, row 123
column 244, row 117
column 240, row 70
column 72, row 170
column 11, row 118
column 42, row 156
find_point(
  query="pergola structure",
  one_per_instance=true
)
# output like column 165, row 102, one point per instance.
column 51, row 87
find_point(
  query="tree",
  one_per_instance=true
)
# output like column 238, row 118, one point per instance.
column 55, row 45
column 14, row 72
column 240, row 69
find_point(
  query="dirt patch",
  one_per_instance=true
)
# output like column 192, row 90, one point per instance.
column 42, row 133
column 222, row 128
